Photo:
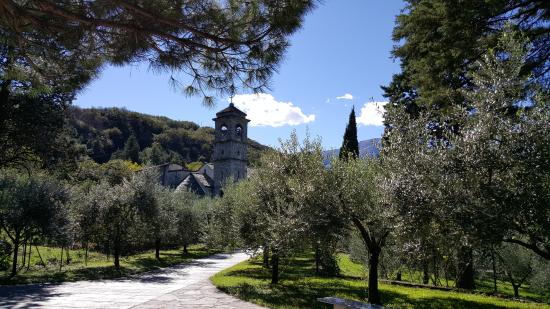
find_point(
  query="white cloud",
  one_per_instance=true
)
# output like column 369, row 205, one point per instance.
column 347, row 96
column 372, row 113
column 263, row 110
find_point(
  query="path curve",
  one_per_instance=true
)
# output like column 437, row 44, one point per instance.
column 181, row 286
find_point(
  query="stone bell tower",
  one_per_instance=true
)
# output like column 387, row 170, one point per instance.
column 230, row 156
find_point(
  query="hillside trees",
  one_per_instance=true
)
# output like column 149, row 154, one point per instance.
column 220, row 45
column 105, row 131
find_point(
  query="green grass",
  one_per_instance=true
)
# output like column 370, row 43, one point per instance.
column 299, row 288
column 99, row 267
column 484, row 285
column 194, row 166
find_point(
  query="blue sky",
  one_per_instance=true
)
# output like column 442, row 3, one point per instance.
column 342, row 50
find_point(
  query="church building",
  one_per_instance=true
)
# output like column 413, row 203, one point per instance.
column 229, row 158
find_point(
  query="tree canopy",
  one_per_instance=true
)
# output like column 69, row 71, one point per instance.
column 437, row 40
column 219, row 44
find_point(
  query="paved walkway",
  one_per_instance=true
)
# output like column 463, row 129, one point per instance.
column 181, row 286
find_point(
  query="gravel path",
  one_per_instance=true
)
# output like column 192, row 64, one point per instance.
column 180, row 286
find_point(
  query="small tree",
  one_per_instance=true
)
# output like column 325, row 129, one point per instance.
column 190, row 218
column 117, row 215
column 272, row 207
column 131, row 149
column 359, row 190
column 518, row 264
column 155, row 217
column 30, row 206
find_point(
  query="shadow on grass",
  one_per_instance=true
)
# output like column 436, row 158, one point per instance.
column 130, row 266
column 300, row 288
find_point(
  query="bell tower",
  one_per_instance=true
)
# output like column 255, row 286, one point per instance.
column 230, row 156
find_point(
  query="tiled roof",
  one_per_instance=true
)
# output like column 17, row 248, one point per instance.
column 230, row 109
column 203, row 180
column 205, row 183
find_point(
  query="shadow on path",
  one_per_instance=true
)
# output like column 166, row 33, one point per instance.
column 34, row 295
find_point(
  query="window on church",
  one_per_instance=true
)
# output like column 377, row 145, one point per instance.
column 239, row 130
column 224, row 129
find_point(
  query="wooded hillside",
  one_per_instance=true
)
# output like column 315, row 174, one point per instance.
column 114, row 133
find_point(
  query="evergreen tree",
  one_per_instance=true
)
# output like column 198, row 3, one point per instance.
column 131, row 149
column 434, row 65
column 220, row 44
column 350, row 145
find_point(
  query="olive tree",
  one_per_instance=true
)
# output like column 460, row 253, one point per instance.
column 272, row 208
column 30, row 206
column 360, row 193
column 117, row 216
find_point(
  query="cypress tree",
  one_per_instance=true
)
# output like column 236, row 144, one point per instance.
column 350, row 145
column 131, row 149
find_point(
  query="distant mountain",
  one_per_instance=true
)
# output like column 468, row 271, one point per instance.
column 369, row 147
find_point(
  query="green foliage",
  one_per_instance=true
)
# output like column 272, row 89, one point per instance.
column 30, row 206
column 113, row 172
column 518, row 264
column 221, row 45
column 33, row 131
column 434, row 63
column 131, row 150
column 350, row 145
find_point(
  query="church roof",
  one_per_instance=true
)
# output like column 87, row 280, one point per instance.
column 199, row 183
column 229, row 110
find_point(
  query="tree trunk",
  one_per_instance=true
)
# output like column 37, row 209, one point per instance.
column 157, row 248
column 116, row 254
column 494, row 269
column 61, row 259
column 398, row 276
column 40, row 256
column 274, row 268
column 86, row 255
column 317, row 260
column 29, row 257
column 465, row 269
column 425, row 272
column 374, row 295
column 24, row 260
column 15, row 252
column 516, row 290
column 265, row 262
column 185, row 251
column 68, row 256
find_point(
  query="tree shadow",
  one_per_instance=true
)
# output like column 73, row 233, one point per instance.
column 30, row 295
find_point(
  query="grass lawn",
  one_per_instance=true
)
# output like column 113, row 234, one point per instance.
column 299, row 288
column 99, row 267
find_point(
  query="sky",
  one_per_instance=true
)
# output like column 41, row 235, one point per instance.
column 338, row 59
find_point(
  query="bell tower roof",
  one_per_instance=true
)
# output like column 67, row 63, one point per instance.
column 230, row 111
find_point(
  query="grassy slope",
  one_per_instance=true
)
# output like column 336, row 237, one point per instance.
column 99, row 267
column 299, row 288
